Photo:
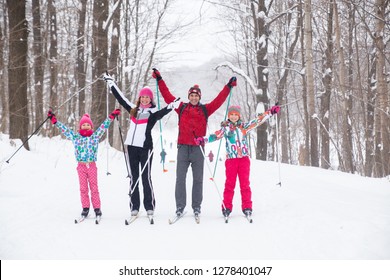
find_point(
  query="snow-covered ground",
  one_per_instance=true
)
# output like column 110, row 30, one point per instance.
column 315, row 215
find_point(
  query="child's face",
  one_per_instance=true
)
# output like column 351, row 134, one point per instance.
column 234, row 117
column 86, row 126
column 145, row 100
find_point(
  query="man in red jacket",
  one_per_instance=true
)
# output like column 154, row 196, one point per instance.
column 192, row 124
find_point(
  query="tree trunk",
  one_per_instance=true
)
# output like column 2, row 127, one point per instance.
column 383, row 140
column 310, row 86
column 113, row 64
column 100, row 60
column 304, row 149
column 17, row 71
column 261, row 38
column 81, row 64
column 38, row 62
column 327, row 74
column 347, row 149
column 3, row 91
column 53, row 58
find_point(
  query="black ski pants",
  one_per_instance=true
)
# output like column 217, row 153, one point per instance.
column 138, row 158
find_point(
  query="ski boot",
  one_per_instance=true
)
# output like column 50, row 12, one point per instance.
column 85, row 212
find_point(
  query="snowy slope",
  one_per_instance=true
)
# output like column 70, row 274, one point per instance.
column 315, row 214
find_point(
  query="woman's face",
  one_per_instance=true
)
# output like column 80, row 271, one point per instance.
column 145, row 100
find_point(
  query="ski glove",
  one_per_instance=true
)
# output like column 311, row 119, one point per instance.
column 156, row 74
column 232, row 82
column 200, row 141
column 52, row 117
column 174, row 105
column 115, row 113
column 275, row 109
column 108, row 79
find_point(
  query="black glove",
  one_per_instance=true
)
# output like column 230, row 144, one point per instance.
column 232, row 82
column 156, row 74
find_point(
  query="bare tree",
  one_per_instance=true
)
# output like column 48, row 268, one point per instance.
column 260, row 34
column 100, row 59
column 310, row 85
column 3, row 85
column 290, row 32
column 17, row 70
column 81, row 71
column 52, row 22
column 383, row 119
column 38, row 61
column 327, row 75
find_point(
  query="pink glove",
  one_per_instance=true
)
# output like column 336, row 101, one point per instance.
column 52, row 117
column 200, row 141
column 275, row 109
column 115, row 113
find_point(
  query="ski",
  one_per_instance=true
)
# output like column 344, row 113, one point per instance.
column 97, row 219
column 249, row 218
column 176, row 218
column 226, row 219
column 151, row 219
column 80, row 220
column 131, row 220
column 197, row 218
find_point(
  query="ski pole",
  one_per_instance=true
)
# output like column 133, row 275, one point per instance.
column 77, row 92
column 219, row 147
column 66, row 101
column 107, row 137
column 212, row 178
column 159, row 122
column 147, row 161
column 7, row 161
column 123, row 147
column 277, row 149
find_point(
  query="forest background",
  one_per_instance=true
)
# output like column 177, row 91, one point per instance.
column 326, row 62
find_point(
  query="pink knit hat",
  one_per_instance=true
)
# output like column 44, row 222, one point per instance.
column 86, row 119
column 146, row 91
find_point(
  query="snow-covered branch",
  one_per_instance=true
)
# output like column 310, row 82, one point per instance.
column 238, row 71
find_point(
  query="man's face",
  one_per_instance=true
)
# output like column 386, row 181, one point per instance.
column 194, row 98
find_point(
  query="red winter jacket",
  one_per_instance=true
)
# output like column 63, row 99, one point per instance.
column 192, row 121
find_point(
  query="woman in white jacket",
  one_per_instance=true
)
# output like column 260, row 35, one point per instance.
column 143, row 116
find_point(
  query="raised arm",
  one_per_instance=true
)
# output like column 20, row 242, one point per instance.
column 261, row 118
column 221, row 97
column 99, row 132
column 68, row 133
column 166, row 94
column 118, row 93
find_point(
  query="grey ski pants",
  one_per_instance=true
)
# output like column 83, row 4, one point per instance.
column 189, row 155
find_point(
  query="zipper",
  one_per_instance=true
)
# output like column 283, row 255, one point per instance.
column 136, row 124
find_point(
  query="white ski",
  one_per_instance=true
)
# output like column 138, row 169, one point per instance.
column 131, row 220
column 176, row 218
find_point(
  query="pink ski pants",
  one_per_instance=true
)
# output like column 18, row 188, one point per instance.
column 88, row 181
column 237, row 167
